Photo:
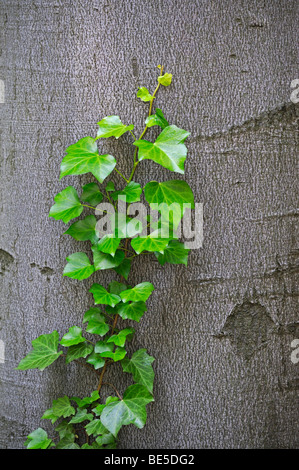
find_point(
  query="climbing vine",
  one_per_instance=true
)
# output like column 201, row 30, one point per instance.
column 91, row 419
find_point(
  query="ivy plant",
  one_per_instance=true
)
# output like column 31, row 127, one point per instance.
column 102, row 342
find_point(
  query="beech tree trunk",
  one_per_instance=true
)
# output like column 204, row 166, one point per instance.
column 221, row 329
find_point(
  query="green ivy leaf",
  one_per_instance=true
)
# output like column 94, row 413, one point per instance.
column 62, row 407
column 124, row 268
column 140, row 292
column 111, row 126
column 165, row 79
column 167, row 193
column 78, row 266
column 132, row 311
column 101, row 296
column 96, row 322
column 38, row 439
column 152, row 242
column 43, row 354
column 110, row 186
column 85, row 229
column 99, row 408
column 168, row 150
column 140, row 366
column 74, row 336
column 121, row 338
column 67, row 205
column 131, row 193
column 130, row 410
column 108, row 244
column 116, row 355
column 96, row 360
column 67, row 443
column 117, row 287
column 104, row 260
column 77, row 351
column 103, row 347
column 91, row 194
column 95, row 427
column 82, row 403
column 81, row 415
column 49, row 414
column 105, row 439
column 156, row 119
column 65, row 429
column 83, row 157
column 94, row 445
column 174, row 253
column 144, row 94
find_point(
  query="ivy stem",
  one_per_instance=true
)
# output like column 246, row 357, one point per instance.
column 90, row 207
column 122, row 174
column 114, row 388
column 146, row 127
column 133, row 135
column 106, row 360
column 112, row 331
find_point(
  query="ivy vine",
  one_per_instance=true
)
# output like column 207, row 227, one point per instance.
column 91, row 418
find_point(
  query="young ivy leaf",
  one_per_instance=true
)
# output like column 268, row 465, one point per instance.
column 165, row 79
column 140, row 292
column 117, row 287
column 83, row 157
column 101, row 296
column 95, row 427
column 96, row 322
column 123, row 269
column 110, row 186
column 130, row 410
column 171, row 196
column 85, row 229
column 38, row 439
column 43, row 354
column 74, row 336
column 104, row 260
column 64, row 429
column 94, row 396
column 62, row 407
column 132, row 311
column 144, row 94
column 121, row 338
column 152, row 242
column 80, row 416
column 77, row 351
column 108, row 244
column 67, row 205
column 91, row 194
column 168, row 150
column 102, row 347
column 174, row 253
column 131, row 193
column 96, row 360
column 111, row 126
column 78, row 266
column 140, row 366
column 116, row 355
column 156, row 119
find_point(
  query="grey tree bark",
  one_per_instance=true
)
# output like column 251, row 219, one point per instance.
column 221, row 329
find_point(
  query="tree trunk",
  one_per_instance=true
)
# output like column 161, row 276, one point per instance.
column 221, row 329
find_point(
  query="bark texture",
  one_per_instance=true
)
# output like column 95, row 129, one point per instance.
column 221, row 330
